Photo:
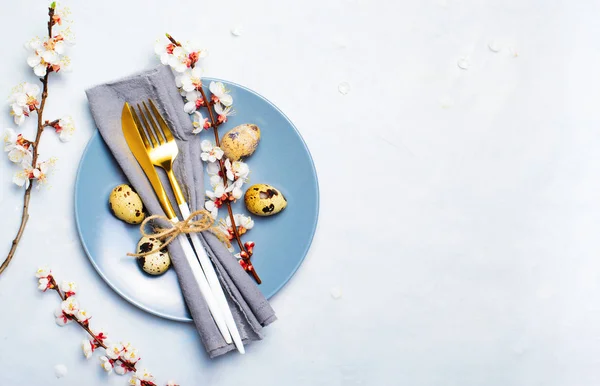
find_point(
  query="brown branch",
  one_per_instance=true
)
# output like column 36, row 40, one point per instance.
column 51, row 123
column 50, row 20
column 38, row 136
column 173, row 40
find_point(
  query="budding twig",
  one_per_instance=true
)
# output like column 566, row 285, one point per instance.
column 36, row 142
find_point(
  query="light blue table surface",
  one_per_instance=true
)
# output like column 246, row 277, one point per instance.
column 460, row 208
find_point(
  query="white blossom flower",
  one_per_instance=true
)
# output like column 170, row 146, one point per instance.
column 213, row 169
column 61, row 317
column 42, row 58
column 48, row 54
column 65, row 128
column 68, row 287
column 194, row 101
column 43, row 283
column 210, row 152
column 88, row 348
column 106, row 364
column 35, row 60
column 43, row 272
column 18, row 114
column 179, row 59
column 220, row 193
column 139, row 376
column 190, row 80
column 42, row 171
column 241, row 221
column 26, row 95
column 83, row 316
column 218, row 190
column 70, row 306
column 172, row 383
column 24, row 176
column 223, row 112
column 164, row 51
column 131, row 356
column 220, row 93
column 236, row 189
column 236, row 170
column 184, row 57
column 126, row 346
column 23, row 100
column 114, row 350
column 216, row 179
column 200, row 123
column 17, row 148
column 20, row 154
column 212, row 208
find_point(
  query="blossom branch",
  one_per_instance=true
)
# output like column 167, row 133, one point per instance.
column 47, row 57
column 38, row 137
column 245, row 253
column 183, row 60
column 121, row 357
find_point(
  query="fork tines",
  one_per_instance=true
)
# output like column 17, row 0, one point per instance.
column 154, row 130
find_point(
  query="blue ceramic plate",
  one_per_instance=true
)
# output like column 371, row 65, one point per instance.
column 282, row 241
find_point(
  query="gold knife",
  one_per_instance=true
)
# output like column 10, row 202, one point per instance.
column 137, row 147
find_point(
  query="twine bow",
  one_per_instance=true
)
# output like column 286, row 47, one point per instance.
column 167, row 235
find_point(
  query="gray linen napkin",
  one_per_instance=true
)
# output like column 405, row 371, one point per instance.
column 250, row 309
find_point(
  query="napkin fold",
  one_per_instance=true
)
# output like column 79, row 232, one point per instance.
column 249, row 307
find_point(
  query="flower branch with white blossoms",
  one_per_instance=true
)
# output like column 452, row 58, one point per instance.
column 226, row 177
column 121, row 357
column 47, row 56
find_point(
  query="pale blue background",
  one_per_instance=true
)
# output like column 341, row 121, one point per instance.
column 482, row 268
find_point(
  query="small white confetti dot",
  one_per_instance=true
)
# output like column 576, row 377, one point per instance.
column 336, row 293
column 237, row 30
column 60, row 371
column 446, row 102
column 344, row 88
column 494, row 46
column 463, row 63
column 341, row 43
column 520, row 348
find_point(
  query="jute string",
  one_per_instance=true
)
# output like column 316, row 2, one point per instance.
column 167, row 235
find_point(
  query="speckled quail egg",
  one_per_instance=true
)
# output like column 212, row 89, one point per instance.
column 241, row 141
column 157, row 262
column 264, row 200
column 126, row 205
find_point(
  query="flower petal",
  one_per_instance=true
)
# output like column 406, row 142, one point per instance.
column 226, row 99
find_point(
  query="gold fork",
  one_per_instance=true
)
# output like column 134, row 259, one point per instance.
column 162, row 150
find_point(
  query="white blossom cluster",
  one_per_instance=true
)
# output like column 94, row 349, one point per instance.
column 121, row 357
column 46, row 55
